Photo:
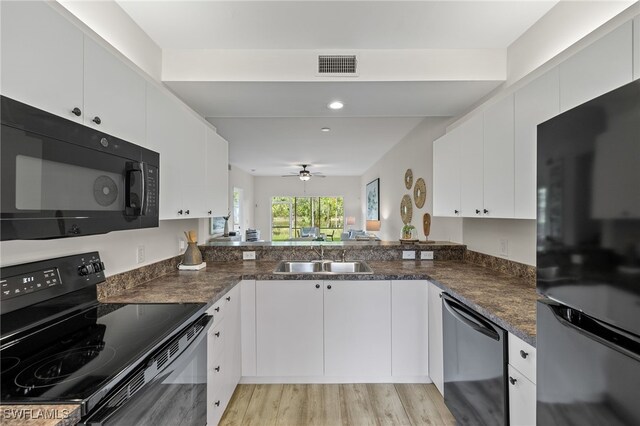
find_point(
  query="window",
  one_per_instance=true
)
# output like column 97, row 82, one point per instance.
column 237, row 208
column 290, row 214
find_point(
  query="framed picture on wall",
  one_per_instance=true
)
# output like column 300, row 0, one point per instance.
column 373, row 200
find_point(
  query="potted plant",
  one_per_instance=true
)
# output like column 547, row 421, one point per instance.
column 407, row 231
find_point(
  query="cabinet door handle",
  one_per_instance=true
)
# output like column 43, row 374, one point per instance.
column 77, row 112
column 485, row 211
column 186, row 212
column 329, row 287
column 96, row 120
column 209, row 212
column 456, row 212
column 477, row 211
column 229, row 299
column 217, row 309
column 512, row 380
column 317, row 285
column 217, row 403
column 217, row 334
column 217, row 368
column 180, row 212
column 524, row 354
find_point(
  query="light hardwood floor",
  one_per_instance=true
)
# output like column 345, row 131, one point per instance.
column 347, row 404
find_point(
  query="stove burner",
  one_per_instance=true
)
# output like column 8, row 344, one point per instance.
column 8, row 362
column 65, row 366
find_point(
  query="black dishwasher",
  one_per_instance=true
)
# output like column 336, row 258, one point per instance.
column 475, row 353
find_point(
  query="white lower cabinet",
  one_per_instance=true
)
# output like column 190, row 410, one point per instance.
column 521, row 382
column 436, row 346
column 357, row 328
column 289, row 328
column 522, row 399
column 331, row 331
column 223, row 354
column 409, row 329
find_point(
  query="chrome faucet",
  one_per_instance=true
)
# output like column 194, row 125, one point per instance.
column 344, row 254
column 319, row 253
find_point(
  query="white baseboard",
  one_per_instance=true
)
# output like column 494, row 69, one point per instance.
column 327, row 379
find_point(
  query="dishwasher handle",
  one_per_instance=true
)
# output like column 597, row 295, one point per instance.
column 469, row 317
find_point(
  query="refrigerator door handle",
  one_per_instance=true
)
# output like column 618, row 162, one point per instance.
column 600, row 332
column 465, row 316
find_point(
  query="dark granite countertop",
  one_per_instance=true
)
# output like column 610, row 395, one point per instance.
column 507, row 300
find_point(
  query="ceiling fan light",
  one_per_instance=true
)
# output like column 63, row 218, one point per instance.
column 336, row 105
column 305, row 175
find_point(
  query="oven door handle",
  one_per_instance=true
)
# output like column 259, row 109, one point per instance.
column 469, row 318
column 131, row 209
column 109, row 406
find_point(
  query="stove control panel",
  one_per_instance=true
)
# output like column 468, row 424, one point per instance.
column 30, row 283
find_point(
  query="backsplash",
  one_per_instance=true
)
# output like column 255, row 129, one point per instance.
column 376, row 251
column 120, row 282
column 499, row 264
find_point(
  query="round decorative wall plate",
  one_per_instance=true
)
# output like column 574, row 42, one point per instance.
column 408, row 178
column 420, row 193
column 406, row 209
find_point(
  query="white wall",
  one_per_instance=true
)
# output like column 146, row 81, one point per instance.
column 557, row 31
column 415, row 152
column 267, row 187
column 114, row 25
column 117, row 249
column 485, row 235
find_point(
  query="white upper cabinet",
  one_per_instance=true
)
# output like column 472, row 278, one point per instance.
column 180, row 138
column 471, row 166
column 114, row 95
column 599, row 68
column 163, row 136
column 217, row 183
column 636, row 47
column 192, row 163
column 42, row 58
column 446, row 175
column 498, row 159
column 535, row 103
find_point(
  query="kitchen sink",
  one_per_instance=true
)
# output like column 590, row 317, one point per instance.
column 322, row 267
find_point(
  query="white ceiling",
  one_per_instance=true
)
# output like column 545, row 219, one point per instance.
column 361, row 99
column 276, row 146
column 334, row 24
column 274, row 126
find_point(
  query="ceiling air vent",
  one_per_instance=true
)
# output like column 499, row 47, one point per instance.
column 338, row 65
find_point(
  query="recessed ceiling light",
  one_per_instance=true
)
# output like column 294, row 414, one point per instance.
column 336, row 105
column 325, row 129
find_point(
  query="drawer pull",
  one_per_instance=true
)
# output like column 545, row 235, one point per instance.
column 217, row 368
column 217, row 403
column 77, row 112
column 524, row 354
column 229, row 299
column 217, row 309
column 512, row 380
column 97, row 120
column 217, row 334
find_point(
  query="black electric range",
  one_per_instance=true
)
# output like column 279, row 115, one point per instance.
column 58, row 344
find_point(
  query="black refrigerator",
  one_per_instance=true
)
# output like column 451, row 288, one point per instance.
column 588, row 259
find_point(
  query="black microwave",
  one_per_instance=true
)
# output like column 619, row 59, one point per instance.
column 62, row 179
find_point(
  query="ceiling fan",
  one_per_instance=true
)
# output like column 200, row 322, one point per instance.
column 304, row 174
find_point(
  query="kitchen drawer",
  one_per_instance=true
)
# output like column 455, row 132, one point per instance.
column 217, row 310
column 523, row 357
column 215, row 401
column 216, row 345
column 522, row 399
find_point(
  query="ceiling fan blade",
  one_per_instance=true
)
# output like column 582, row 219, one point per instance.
column 295, row 176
